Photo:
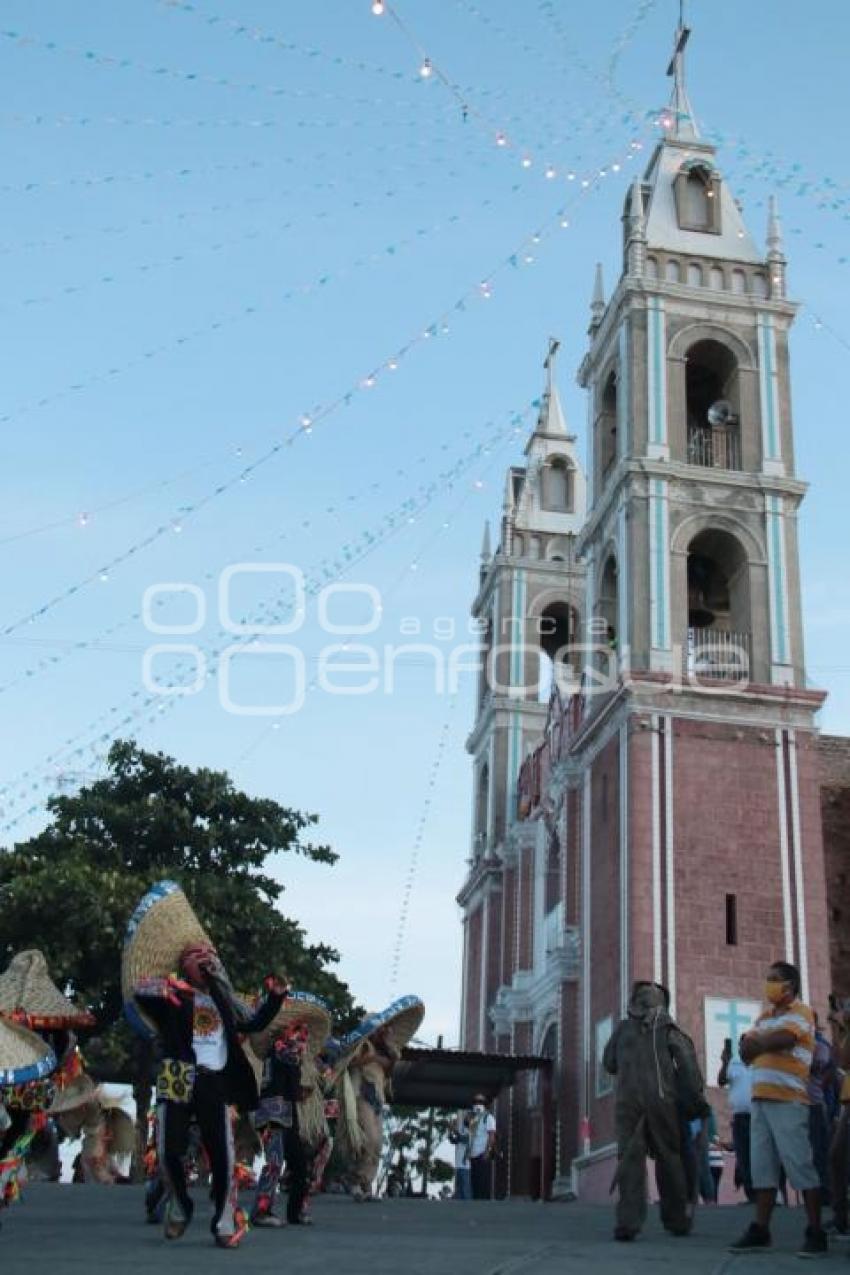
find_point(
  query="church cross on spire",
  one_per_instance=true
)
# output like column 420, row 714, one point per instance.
column 549, row 362
column 682, row 124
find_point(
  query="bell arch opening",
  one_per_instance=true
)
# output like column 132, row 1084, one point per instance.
column 719, row 617
column 558, row 630
column 712, row 400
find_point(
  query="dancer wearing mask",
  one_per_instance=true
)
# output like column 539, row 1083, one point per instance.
column 175, row 986
column 657, row 1078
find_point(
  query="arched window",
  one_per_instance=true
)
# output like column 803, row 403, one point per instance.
column 558, row 630
column 553, row 872
column 534, row 546
column 760, row 284
column 606, row 428
column 482, row 810
column 697, row 192
column 672, row 273
column 717, row 280
column 739, row 282
column 718, row 606
column 695, row 274
column 652, row 268
column 557, row 485
column 712, row 399
column 607, row 606
column 519, row 545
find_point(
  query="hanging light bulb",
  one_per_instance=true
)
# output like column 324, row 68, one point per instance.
column 378, row 8
column 82, row 520
column 501, row 140
column 306, row 424
column 426, row 70
column 550, row 172
column 526, row 161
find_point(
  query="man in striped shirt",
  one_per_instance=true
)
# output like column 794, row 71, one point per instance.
column 779, row 1051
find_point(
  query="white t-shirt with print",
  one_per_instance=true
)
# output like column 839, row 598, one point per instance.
column 740, row 1080
column 208, row 1040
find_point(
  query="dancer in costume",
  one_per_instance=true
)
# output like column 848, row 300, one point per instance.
column 317, row 1115
column 25, row 1061
column 107, row 1131
column 369, row 1056
column 30, row 998
column 175, row 986
column 285, row 1116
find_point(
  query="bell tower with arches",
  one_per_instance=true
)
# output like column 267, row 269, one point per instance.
column 693, row 767
column 529, row 610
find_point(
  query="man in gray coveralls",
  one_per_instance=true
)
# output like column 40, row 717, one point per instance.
column 658, row 1082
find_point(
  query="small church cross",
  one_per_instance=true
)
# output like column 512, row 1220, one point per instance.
column 549, row 361
column 738, row 1021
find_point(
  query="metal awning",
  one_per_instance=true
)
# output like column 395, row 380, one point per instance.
column 452, row 1077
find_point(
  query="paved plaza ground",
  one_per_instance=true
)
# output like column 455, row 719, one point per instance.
column 77, row 1230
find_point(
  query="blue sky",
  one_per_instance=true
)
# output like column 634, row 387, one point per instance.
column 209, row 263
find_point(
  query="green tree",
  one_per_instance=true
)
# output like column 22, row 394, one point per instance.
column 70, row 890
column 412, row 1138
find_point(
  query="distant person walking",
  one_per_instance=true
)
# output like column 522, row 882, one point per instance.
column 658, row 1084
column 779, row 1049
column 737, row 1076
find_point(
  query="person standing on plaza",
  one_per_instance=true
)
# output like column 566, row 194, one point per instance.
column 821, row 1077
column 482, row 1146
column 459, row 1137
column 779, row 1049
column 736, row 1074
column 658, row 1086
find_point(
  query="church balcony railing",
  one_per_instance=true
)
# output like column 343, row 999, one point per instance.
column 717, row 655
column 714, row 448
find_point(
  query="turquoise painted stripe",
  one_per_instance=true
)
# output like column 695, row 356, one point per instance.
column 658, row 422
column 777, row 566
column 660, row 575
column 623, row 395
column 769, row 381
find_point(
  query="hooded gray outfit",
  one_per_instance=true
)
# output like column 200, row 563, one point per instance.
column 657, row 1076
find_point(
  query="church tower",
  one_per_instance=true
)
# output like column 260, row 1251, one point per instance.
column 529, row 609
column 666, row 823
column 693, row 767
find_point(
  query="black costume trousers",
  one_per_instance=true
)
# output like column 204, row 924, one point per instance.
column 209, row 1108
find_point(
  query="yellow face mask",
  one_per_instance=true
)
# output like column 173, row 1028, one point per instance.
column 775, row 991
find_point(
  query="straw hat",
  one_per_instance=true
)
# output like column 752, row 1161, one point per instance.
column 23, row 1056
column 120, row 1126
column 301, row 1008
column 27, row 987
column 77, row 1093
column 161, row 928
column 403, row 1015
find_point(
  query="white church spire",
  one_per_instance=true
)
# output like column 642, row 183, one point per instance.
column 597, row 302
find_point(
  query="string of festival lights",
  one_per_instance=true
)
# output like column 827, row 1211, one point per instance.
column 138, row 704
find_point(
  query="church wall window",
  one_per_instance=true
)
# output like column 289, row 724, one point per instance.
column 732, row 920
column 695, row 274
column 652, row 267
column 739, row 282
column 557, row 485
column 672, row 271
column 607, row 625
column 606, row 428
column 760, row 284
column 717, row 281
column 519, row 545
column 482, row 810
column 534, row 546
column 558, row 633
column 697, row 194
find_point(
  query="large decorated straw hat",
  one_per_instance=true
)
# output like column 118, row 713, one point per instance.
column 27, row 989
column 404, row 1016
column 120, row 1126
column 299, row 1008
column 159, row 931
column 24, row 1057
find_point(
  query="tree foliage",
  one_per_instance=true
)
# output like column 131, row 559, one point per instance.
column 70, row 889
